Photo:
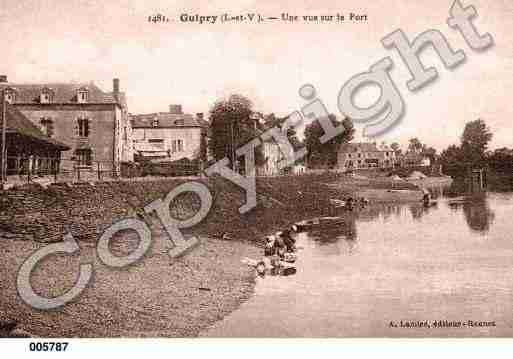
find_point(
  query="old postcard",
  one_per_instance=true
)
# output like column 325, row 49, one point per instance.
column 316, row 169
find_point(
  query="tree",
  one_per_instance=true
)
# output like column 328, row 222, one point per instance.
column 232, row 126
column 451, row 160
column 271, row 121
column 430, row 153
column 396, row 147
column 474, row 142
column 501, row 160
column 325, row 154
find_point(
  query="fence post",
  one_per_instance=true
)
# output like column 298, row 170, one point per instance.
column 99, row 173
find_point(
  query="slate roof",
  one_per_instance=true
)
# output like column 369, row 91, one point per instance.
column 63, row 93
column 359, row 147
column 18, row 123
column 165, row 120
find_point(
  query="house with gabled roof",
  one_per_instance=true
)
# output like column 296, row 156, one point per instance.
column 168, row 136
column 93, row 123
column 364, row 155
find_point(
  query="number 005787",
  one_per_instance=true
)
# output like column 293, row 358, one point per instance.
column 48, row 346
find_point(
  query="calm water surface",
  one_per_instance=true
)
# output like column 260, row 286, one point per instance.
column 452, row 261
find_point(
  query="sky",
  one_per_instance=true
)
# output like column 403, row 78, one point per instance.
column 194, row 64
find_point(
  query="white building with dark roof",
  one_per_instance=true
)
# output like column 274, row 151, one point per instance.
column 168, row 136
column 364, row 155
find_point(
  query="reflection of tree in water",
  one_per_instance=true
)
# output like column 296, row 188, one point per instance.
column 336, row 235
column 478, row 214
column 418, row 210
column 385, row 210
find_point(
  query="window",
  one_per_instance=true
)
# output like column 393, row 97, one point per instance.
column 179, row 122
column 46, row 95
column 82, row 95
column 157, row 142
column 46, row 125
column 83, row 127
column 177, row 146
column 10, row 96
column 84, row 157
column 156, row 122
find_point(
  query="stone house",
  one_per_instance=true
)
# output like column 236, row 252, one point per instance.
column 168, row 136
column 364, row 155
column 93, row 123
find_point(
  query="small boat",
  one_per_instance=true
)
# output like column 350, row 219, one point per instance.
column 318, row 223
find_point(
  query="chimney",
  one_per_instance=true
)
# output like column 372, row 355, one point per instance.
column 115, row 86
column 3, row 78
column 175, row 109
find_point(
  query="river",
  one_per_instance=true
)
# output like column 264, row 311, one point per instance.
column 393, row 267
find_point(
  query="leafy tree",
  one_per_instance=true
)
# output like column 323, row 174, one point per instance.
column 474, row 142
column 272, row 121
column 320, row 154
column 452, row 160
column 232, row 125
column 501, row 160
column 430, row 153
column 396, row 147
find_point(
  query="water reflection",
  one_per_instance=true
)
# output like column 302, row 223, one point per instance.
column 478, row 214
column 335, row 239
column 392, row 261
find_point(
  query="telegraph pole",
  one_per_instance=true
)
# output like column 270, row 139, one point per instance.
column 234, row 159
column 4, row 128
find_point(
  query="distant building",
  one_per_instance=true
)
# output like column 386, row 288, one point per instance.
column 93, row 123
column 413, row 159
column 28, row 149
column 272, row 151
column 168, row 136
column 272, row 156
column 364, row 155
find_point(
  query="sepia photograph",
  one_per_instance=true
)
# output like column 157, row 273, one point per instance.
column 240, row 169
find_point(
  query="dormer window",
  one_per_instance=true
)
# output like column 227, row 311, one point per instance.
column 10, row 97
column 46, row 95
column 155, row 122
column 82, row 95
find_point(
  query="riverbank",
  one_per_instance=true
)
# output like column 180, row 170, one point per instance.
column 155, row 297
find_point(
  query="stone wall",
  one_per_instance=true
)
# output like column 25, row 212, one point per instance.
column 84, row 210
